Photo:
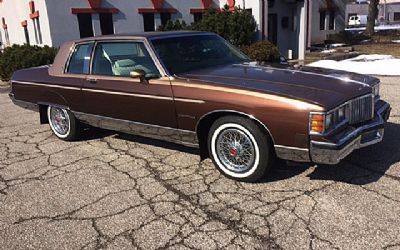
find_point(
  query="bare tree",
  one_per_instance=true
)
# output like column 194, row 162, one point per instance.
column 372, row 15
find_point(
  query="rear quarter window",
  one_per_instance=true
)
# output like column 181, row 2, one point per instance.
column 79, row 62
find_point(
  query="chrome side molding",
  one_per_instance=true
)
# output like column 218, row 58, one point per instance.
column 183, row 137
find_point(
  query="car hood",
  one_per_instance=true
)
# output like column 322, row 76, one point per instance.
column 324, row 87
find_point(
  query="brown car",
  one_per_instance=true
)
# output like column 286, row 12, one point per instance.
column 196, row 89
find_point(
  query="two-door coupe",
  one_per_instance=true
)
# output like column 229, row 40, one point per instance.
column 196, row 89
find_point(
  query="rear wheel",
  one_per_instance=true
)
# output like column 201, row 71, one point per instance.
column 63, row 123
column 239, row 148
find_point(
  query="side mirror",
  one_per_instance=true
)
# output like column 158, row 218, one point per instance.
column 137, row 73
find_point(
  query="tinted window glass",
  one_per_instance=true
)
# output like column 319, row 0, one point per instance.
column 119, row 59
column 80, row 59
column 182, row 54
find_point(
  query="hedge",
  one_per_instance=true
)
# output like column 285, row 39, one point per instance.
column 262, row 51
column 238, row 26
column 24, row 56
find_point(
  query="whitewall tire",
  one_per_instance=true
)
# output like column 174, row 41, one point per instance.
column 62, row 123
column 239, row 148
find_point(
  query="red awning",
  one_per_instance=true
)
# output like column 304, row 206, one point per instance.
column 207, row 4
column 95, row 7
column 157, row 8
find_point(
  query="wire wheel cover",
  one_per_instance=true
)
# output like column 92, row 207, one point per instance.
column 60, row 120
column 235, row 150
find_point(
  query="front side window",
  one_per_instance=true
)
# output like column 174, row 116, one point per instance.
column 121, row 58
column 182, row 54
column 80, row 59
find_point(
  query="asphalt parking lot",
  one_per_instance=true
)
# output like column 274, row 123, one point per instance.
column 115, row 191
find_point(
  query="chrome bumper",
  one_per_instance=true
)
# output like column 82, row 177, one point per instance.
column 363, row 136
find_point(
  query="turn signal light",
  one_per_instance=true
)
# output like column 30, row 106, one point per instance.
column 317, row 123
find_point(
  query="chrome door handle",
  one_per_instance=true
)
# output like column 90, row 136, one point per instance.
column 91, row 80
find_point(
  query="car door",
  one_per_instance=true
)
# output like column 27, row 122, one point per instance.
column 110, row 92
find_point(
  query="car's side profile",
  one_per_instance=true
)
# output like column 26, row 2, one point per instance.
column 195, row 89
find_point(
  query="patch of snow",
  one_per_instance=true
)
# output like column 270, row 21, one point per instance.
column 328, row 51
column 377, row 28
column 364, row 64
column 336, row 45
column 370, row 58
column 365, row 41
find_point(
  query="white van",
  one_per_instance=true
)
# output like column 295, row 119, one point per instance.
column 358, row 20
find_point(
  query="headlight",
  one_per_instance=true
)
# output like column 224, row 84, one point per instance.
column 375, row 90
column 321, row 123
column 328, row 121
column 341, row 114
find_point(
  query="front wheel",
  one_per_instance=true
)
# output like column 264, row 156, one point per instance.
column 63, row 123
column 239, row 148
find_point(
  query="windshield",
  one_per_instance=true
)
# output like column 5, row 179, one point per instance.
column 187, row 53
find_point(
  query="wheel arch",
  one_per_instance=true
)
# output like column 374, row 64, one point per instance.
column 205, row 122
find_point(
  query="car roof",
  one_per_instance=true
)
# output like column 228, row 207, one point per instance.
column 144, row 35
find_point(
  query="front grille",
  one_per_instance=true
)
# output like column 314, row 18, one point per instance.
column 361, row 109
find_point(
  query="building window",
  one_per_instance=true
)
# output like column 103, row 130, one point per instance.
column 148, row 21
column 80, row 59
column 165, row 17
column 396, row 16
column 271, row 3
column 38, row 32
column 106, row 23
column 322, row 20
column 332, row 20
column 26, row 35
column 197, row 17
column 85, row 25
column 294, row 21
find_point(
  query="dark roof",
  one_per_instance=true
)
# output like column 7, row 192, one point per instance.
column 144, row 35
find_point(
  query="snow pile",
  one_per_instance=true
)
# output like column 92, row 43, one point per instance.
column 377, row 28
column 364, row 64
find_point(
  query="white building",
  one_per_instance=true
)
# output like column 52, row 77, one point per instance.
column 287, row 23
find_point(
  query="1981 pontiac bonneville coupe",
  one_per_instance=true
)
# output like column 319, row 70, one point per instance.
column 194, row 88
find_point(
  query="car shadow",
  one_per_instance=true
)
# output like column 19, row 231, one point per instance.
column 93, row 133
column 363, row 166
column 157, row 143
